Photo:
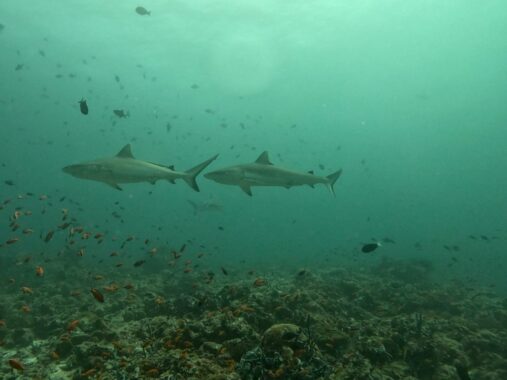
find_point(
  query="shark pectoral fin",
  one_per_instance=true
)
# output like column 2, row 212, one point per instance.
column 246, row 188
column 113, row 185
column 311, row 185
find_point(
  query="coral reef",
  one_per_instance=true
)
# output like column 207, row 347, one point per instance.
column 306, row 324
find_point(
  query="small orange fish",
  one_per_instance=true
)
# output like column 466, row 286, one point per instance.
column 77, row 229
column 72, row 325
column 2, row 323
column 89, row 372
column 98, row 295
column 98, row 277
column 111, row 288
column 26, row 290
column 259, row 282
column 49, row 236
column 16, row 364
column 81, row 252
column 39, row 271
column 25, row 309
column 64, row 226
column 153, row 372
column 55, row 355
column 12, row 240
column 27, row 231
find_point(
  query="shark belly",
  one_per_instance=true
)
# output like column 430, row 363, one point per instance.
column 272, row 176
column 134, row 171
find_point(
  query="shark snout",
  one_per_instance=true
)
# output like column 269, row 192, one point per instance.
column 71, row 169
column 67, row 169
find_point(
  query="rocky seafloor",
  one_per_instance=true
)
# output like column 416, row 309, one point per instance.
column 389, row 322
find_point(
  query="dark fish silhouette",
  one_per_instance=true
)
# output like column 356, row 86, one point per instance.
column 370, row 247
column 121, row 113
column 142, row 11
column 139, row 263
column 98, row 295
column 83, row 107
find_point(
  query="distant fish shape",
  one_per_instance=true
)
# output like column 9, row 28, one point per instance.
column 263, row 173
column 370, row 247
column 142, row 11
column 124, row 168
column 139, row 263
column 121, row 114
column 209, row 206
column 83, row 107
column 97, row 295
column 16, row 364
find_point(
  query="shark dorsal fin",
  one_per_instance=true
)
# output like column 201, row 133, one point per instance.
column 125, row 152
column 263, row 159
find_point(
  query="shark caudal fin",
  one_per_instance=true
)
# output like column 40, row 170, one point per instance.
column 194, row 172
column 332, row 178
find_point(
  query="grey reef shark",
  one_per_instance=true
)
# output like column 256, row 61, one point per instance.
column 125, row 168
column 263, row 173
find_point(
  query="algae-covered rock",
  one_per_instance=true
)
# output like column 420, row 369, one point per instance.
column 285, row 352
column 283, row 334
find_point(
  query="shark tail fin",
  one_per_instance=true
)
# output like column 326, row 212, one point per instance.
column 332, row 178
column 194, row 172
